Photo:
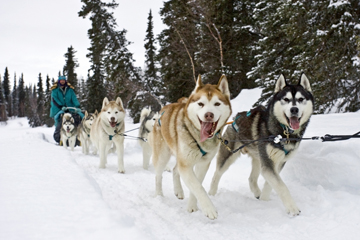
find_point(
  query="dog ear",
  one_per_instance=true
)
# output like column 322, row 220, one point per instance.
column 304, row 82
column 86, row 114
column 280, row 83
column 105, row 102
column 223, row 85
column 72, row 120
column 96, row 112
column 119, row 102
column 150, row 108
column 199, row 83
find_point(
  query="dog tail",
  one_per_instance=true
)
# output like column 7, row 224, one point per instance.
column 144, row 113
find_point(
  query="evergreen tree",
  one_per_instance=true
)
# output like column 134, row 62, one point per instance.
column 70, row 65
column 47, row 119
column 6, row 91
column 315, row 37
column 21, row 96
column 28, row 101
column 3, row 115
column 110, row 58
column 15, row 99
column 152, row 86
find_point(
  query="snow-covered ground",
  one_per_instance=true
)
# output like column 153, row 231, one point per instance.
column 47, row 192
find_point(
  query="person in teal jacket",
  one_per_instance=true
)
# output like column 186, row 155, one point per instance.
column 62, row 96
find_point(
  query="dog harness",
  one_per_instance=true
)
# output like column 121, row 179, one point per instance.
column 234, row 125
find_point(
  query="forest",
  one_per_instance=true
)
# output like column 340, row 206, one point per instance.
column 251, row 42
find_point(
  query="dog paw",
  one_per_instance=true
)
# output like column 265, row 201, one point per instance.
column 293, row 211
column 102, row 166
column 121, row 171
column 179, row 194
column 192, row 208
column 211, row 214
column 212, row 191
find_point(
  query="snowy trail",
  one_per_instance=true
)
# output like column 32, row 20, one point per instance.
column 47, row 192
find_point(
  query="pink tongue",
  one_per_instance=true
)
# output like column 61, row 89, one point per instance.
column 294, row 123
column 112, row 124
column 205, row 130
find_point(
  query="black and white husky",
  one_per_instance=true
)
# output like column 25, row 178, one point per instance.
column 68, row 132
column 147, row 121
column 287, row 115
column 84, row 132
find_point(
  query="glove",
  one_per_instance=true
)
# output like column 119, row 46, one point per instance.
column 64, row 109
column 78, row 110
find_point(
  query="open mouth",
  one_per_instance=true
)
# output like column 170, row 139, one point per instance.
column 113, row 124
column 207, row 130
column 294, row 122
column 67, row 130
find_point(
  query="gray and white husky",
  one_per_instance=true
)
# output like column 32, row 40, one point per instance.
column 147, row 121
column 107, row 129
column 68, row 131
column 287, row 114
column 84, row 131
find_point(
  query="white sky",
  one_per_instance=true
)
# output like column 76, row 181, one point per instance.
column 35, row 35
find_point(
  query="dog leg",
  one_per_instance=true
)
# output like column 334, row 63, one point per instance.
column 178, row 190
column 275, row 181
column 72, row 143
column 200, row 172
column 223, row 162
column 120, row 153
column 254, row 176
column 194, row 184
column 160, row 158
column 103, row 155
column 146, row 155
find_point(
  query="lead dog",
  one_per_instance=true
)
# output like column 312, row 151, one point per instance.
column 84, row 133
column 107, row 129
column 187, row 130
column 287, row 114
column 147, row 121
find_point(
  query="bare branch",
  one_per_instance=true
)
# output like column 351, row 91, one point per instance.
column 219, row 40
column 192, row 63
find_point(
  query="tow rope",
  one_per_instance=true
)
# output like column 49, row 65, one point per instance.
column 278, row 139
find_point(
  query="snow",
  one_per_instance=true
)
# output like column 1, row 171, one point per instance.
column 47, row 192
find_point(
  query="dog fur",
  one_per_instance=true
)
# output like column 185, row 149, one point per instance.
column 147, row 121
column 68, row 131
column 187, row 130
column 107, row 129
column 84, row 132
column 289, row 110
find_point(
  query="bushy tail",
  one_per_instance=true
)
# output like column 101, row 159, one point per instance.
column 144, row 113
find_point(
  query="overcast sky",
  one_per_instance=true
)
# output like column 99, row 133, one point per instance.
column 35, row 34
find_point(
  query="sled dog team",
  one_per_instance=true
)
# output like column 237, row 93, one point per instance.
column 191, row 130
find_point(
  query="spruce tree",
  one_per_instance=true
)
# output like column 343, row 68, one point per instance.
column 152, row 86
column 70, row 65
column 15, row 99
column 21, row 96
column 47, row 119
column 6, row 91
column 3, row 115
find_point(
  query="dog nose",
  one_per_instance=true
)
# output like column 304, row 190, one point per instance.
column 294, row 110
column 209, row 116
column 112, row 119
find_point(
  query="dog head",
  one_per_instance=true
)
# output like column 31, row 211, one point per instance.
column 148, row 118
column 68, row 122
column 89, row 119
column 208, row 107
column 293, row 104
column 112, row 112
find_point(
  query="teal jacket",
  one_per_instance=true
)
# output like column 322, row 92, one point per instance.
column 62, row 98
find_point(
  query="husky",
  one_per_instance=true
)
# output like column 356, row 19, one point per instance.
column 147, row 121
column 286, row 116
column 107, row 129
column 187, row 129
column 84, row 131
column 68, row 132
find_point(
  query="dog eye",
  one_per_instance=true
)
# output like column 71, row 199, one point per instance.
column 116, row 112
column 286, row 100
column 301, row 100
column 217, row 104
column 108, row 112
column 201, row 104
